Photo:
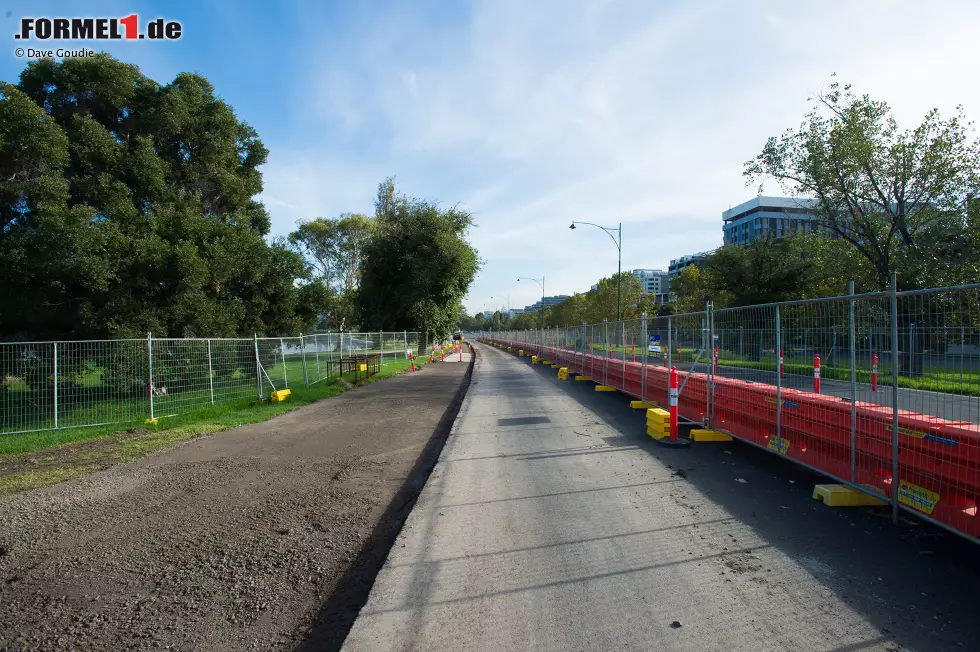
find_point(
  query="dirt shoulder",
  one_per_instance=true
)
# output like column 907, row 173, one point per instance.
column 263, row 537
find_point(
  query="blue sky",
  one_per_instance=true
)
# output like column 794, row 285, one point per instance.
column 532, row 114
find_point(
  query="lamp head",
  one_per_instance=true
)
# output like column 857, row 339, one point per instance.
column 572, row 226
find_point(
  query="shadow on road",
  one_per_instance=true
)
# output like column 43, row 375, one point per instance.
column 915, row 582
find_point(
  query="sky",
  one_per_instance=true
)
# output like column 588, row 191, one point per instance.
column 531, row 114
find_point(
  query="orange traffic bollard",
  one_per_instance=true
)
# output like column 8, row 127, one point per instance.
column 781, row 372
column 816, row 373
column 411, row 359
column 673, row 403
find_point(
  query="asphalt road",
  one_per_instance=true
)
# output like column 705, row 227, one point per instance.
column 551, row 522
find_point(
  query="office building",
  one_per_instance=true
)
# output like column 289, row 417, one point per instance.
column 654, row 281
column 762, row 216
column 677, row 264
column 548, row 302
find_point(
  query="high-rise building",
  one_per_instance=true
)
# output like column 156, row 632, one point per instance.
column 762, row 216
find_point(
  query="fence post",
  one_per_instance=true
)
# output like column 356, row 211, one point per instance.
column 714, row 361
column 285, row 376
column 149, row 357
column 258, row 364
column 894, row 302
column 405, row 337
column 316, row 352
column 779, row 385
column 852, row 337
column 643, row 354
column 302, row 348
column 670, row 331
column 381, row 341
column 605, row 345
column 210, row 373
column 55, row 384
column 622, row 338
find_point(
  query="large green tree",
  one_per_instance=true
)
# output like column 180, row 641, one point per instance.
column 876, row 186
column 128, row 206
column 417, row 265
column 601, row 303
column 334, row 248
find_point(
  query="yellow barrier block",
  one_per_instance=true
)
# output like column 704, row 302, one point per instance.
column 279, row 395
column 555, row 366
column 582, row 378
column 658, row 434
column 534, row 359
column 510, row 350
column 604, row 388
column 839, row 495
column 658, row 414
column 520, row 353
column 151, row 422
column 546, row 362
column 699, row 434
column 641, row 405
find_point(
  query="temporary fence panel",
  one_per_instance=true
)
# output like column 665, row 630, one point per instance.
column 49, row 385
column 880, row 391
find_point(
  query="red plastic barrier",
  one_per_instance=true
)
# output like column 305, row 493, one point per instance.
column 938, row 460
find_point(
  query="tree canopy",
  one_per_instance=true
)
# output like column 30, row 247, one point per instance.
column 128, row 206
column 417, row 265
column 877, row 187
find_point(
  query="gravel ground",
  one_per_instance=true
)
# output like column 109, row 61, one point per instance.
column 263, row 537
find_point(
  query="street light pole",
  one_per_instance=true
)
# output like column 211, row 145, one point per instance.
column 618, row 239
column 540, row 282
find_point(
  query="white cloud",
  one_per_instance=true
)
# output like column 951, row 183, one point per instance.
column 534, row 114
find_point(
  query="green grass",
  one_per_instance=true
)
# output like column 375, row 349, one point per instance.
column 23, row 409
column 197, row 421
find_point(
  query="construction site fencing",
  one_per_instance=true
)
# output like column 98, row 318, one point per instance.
column 71, row 384
column 880, row 391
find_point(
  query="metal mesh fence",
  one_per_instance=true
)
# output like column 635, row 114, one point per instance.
column 880, row 390
column 49, row 385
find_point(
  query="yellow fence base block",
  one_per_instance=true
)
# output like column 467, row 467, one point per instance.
column 520, row 353
column 604, row 388
column 582, row 378
column 839, row 495
column 534, row 359
column 641, row 405
column 699, row 434
column 656, row 433
column 280, row 395
column 151, row 422
column 556, row 366
column 546, row 362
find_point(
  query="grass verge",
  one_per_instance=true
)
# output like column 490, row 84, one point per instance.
column 39, row 459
